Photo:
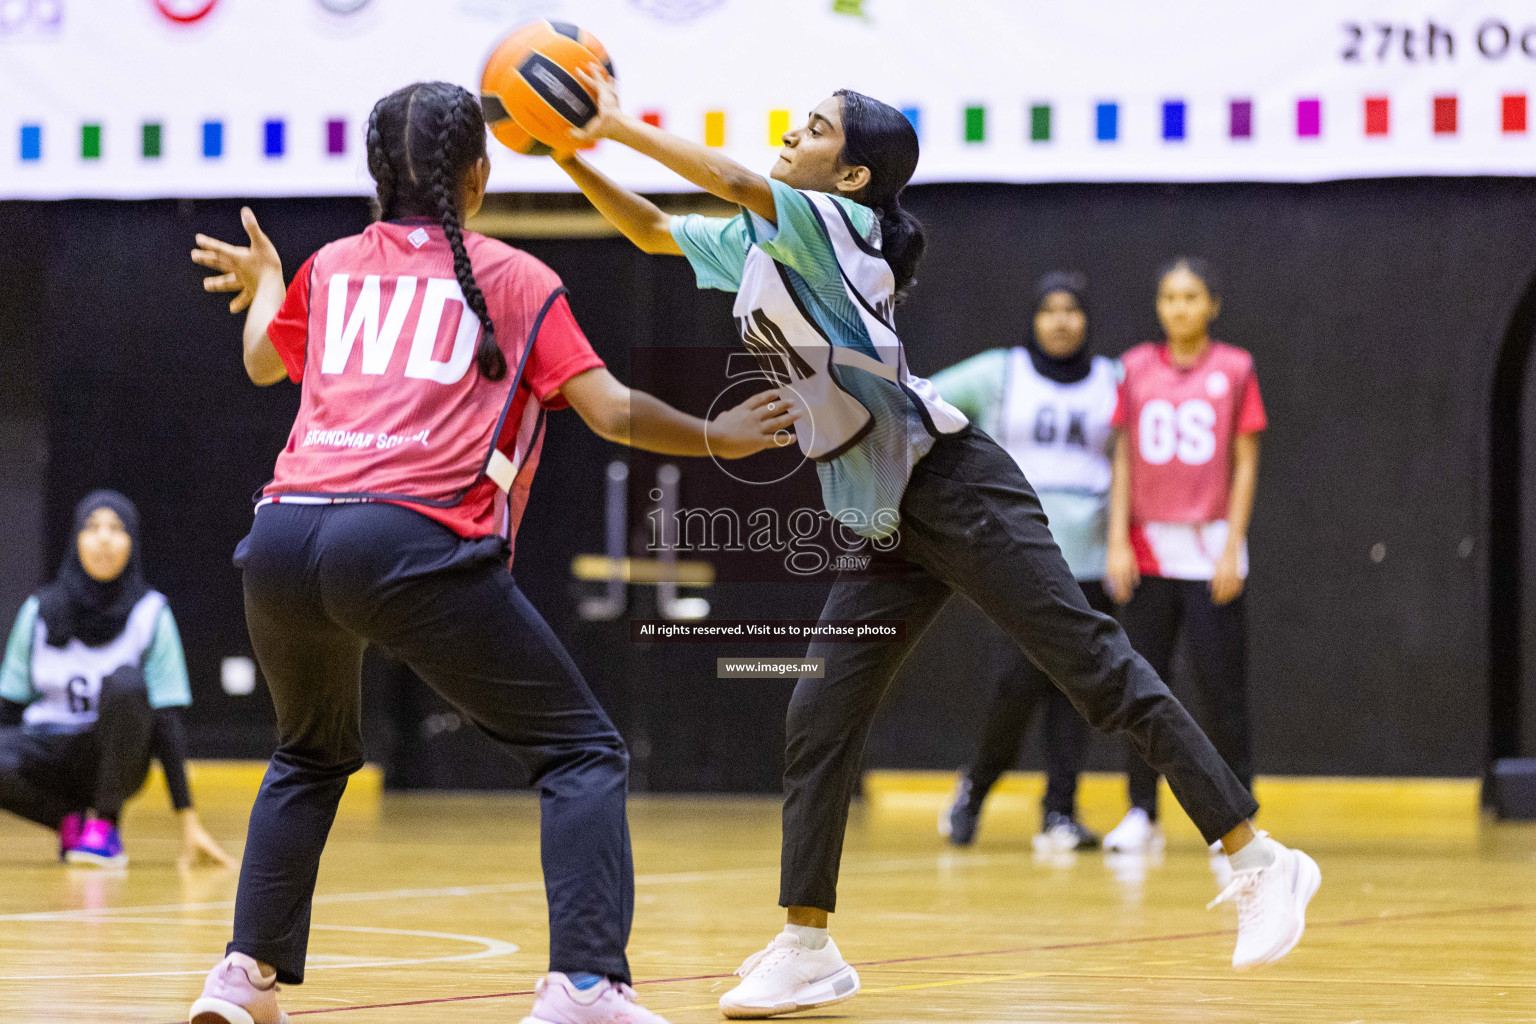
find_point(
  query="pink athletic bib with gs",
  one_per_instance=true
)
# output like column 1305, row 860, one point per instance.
column 1181, row 423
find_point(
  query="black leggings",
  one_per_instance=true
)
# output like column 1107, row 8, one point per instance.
column 971, row 523
column 45, row 776
column 1021, row 688
column 1216, row 638
column 322, row 582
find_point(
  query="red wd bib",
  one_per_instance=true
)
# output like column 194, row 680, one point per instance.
column 376, row 329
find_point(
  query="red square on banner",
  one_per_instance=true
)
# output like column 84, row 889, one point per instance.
column 1445, row 115
column 1377, row 115
column 1514, row 114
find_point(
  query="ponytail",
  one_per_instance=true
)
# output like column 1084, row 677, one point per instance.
column 440, row 126
column 879, row 137
column 902, row 243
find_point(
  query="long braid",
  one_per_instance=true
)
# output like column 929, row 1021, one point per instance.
column 422, row 141
column 380, row 166
column 453, row 133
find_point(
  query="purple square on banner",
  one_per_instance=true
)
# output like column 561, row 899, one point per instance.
column 1309, row 118
column 336, row 137
column 1242, row 119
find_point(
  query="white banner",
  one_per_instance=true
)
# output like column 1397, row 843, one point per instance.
column 144, row 98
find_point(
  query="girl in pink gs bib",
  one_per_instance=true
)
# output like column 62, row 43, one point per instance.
column 1187, row 460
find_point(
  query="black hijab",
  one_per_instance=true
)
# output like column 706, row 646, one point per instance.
column 74, row 604
column 1077, row 366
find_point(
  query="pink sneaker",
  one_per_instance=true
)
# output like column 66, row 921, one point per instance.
column 557, row 1001
column 236, row 993
column 70, row 827
column 98, row 845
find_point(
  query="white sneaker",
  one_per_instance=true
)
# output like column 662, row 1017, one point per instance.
column 1221, row 867
column 1271, row 905
column 1062, row 833
column 789, row 976
column 558, row 1001
column 1136, row 833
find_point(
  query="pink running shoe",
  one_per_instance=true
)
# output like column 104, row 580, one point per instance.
column 98, row 845
column 557, row 1001
column 70, row 827
column 236, row 993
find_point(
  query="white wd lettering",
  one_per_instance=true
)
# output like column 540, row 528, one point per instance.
column 378, row 341
column 341, row 331
column 421, row 364
column 1188, row 432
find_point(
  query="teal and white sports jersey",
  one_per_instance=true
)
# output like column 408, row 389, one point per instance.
column 1059, row 434
column 814, row 301
column 60, row 685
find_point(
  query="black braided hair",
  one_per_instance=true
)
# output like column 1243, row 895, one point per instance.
column 422, row 141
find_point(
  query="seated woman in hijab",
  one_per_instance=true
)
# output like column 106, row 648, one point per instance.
column 92, row 686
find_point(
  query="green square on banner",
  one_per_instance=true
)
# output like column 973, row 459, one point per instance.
column 975, row 124
column 151, row 140
column 90, row 142
column 1040, row 123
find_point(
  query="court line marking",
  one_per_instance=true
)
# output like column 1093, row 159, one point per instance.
column 1088, row 944
column 493, row 948
column 499, row 888
column 1297, row 980
column 902, row 988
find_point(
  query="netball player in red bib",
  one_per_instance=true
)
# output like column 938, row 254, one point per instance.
column 429, row 358
column 1189, row 418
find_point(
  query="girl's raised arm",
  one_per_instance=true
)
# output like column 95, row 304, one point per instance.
column 637, row 218
column 713, row 172
column 256, row 272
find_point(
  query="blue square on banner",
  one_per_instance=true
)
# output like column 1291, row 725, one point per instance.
column 1107, row 122
column 911, row 114
column 213, row 139
column 1173, row 120
column 274, row 138
column 31, row 142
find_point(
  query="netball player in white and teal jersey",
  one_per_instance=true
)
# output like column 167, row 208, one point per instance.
column 818, row 258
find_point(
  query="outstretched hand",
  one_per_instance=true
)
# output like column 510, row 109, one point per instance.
column 198, row 848
column 241, row 267
column 609, row 113
column 759, row 423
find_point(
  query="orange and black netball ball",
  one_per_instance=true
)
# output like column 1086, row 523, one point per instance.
column 529, row 89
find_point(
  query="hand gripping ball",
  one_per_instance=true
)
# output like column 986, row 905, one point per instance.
column 529, row 90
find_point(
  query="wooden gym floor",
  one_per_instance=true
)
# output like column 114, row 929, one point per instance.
column 431, row 911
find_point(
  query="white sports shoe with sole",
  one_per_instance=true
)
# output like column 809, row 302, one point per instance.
column 789, row 976
column 1271, row 905
column 1136, row 833
column 558, row 1001
column 1220, row 866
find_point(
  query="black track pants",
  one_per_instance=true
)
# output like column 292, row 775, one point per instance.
column 1216, row 636
column 971, row 523
column 321, row 581
column 46, row 775
column 1022, row 689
